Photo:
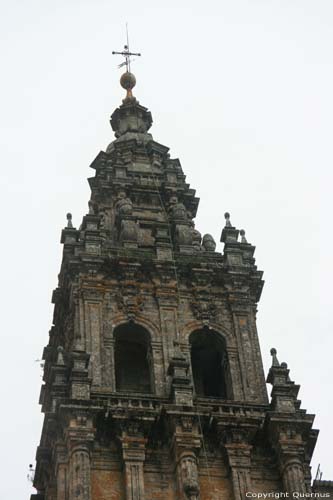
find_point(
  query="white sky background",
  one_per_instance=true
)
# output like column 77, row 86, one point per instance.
column 241, row 92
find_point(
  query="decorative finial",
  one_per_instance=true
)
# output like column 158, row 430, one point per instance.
column 285, row 366
column 60, row 356
column 69, row 220
column 275, row 361
column 91, row 207
column 227, row 219
column 242, row 233
column 127, row 80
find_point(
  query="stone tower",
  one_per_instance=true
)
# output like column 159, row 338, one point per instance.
column 153, row 379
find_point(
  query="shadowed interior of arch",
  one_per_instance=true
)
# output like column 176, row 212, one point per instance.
column 208, row 357
column 132, row 359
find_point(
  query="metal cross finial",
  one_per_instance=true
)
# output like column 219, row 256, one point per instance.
column 127, row 54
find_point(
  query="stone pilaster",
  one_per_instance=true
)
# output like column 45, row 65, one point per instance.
column 108, row 374
column 79, row 472
column 163, row 242
column 79, row 379
column 92, row 237
column 133, row 448
column 79, row 438
column 290, row 429
column 236, row 440
column 62, row 482
column 236, row 386
column 186, row 443
column 181, row 387
column 244, row 284
column 239, row 457
column 61, row 472
column 251, row 370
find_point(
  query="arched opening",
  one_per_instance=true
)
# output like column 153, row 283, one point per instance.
column 132, row 359
column 209, row 364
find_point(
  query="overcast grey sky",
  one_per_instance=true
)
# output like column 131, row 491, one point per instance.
column 241, row 92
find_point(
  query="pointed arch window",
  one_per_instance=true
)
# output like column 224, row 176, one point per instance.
column 133, row 367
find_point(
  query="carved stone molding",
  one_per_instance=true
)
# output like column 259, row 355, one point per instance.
column 204, row 310
column 202, row 305
column 130, row 301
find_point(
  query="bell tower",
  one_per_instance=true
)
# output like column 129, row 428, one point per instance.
column 153, row 380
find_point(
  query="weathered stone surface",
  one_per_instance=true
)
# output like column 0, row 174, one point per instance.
column 140, row 291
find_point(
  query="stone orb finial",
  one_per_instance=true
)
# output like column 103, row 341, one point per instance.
column 242, row 233
column 273, row 351
column 284, row 365
column 227, row 219
column 127, row 81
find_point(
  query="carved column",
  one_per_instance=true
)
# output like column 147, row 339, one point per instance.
column 186, row 443
column 187, row 474
column 80, row 435
column 134, row 456
column 293, row 476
